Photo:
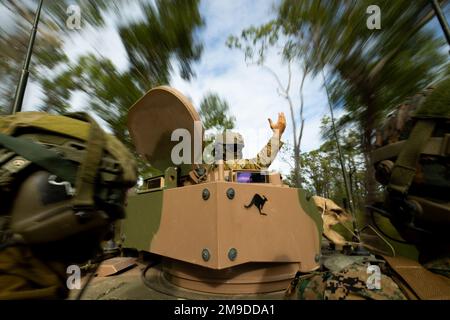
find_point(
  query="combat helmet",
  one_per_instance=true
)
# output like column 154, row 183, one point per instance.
column 60, row 176
column 228, row 145
column 412, row 161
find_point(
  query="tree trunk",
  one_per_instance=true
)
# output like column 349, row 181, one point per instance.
column 297, row 178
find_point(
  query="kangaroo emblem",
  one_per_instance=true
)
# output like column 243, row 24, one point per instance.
column 258, row 202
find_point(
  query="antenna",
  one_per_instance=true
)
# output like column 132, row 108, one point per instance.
column 341, row 160
column 437, row 9
column 20, row 91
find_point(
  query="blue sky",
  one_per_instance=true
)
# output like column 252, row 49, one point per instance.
column 250, row 90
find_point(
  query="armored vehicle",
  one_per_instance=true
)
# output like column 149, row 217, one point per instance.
column 218, row 232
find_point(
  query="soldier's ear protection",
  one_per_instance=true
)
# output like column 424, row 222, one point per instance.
column 43, row 211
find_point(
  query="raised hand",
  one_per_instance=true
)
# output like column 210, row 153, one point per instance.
column 280, row 125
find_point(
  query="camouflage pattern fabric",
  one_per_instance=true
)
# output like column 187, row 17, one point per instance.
column 263, row 159
column 347, row 284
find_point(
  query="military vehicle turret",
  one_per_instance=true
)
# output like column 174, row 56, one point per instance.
column 219, row 232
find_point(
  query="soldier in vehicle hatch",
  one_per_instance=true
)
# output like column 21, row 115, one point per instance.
column 228, row 147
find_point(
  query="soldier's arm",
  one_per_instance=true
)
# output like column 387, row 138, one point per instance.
column 265, row 157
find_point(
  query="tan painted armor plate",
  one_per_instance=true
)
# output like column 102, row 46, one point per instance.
column 153, row 119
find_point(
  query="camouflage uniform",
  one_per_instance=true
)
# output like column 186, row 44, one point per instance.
column 263, row 159
column 349, row 284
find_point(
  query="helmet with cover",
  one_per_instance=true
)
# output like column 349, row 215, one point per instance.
column 60, row 177
column 228, row 146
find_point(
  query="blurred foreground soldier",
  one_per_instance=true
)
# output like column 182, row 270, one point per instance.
column 63, row 182
column 412, row 161
column 229, row 145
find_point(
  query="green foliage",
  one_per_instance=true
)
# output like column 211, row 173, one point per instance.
column 256, row 41
column 369, row 71
column 165, row 37
column 437, row 104
column 167, row 32
column 215, row 113
column 321, row 171
column 48, row 50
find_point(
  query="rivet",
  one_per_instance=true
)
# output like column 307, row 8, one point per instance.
column 205, row 254
column 205, row 194
column 232, row 254
column 230, row 193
